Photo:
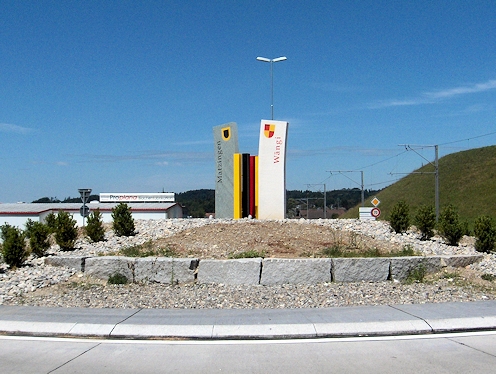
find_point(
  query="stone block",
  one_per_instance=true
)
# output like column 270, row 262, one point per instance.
column 71, row 262
column 402, row 266
column 167, row 270
column 458, row 261
column 105, row 266
column 360, row 269
column 242, row 271
column 295, row 271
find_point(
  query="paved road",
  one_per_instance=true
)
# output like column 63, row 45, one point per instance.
column 400, row 339
column 447, row 353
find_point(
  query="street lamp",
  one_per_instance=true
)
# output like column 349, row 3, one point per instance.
column 271, row 61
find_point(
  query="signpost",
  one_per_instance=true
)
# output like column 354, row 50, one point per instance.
column 85, row 195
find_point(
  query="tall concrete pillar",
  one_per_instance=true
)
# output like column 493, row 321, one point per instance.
column 226, row 145
column 271, row 184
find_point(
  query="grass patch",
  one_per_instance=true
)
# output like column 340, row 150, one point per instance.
column 117, row 279
column 416, row 275
column 247, row 254
column 147, row 250
column 339, row 252
column 450, row 275
column 488, row 277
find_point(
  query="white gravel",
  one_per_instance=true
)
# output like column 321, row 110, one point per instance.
column 16, row 286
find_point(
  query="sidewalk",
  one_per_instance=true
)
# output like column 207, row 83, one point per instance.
column 248, row 323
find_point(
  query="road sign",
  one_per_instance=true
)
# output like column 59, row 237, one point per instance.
column 375, row 201
column 84, row 211
column 375, row 212
column 85, row 194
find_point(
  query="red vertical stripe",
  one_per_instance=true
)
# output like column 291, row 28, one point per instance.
column 252, row 187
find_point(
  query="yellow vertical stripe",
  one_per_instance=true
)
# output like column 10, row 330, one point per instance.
column 237, row 185
column 256, row 187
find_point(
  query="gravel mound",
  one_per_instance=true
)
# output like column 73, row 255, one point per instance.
column 43, row 285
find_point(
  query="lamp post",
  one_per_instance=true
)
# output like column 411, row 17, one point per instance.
column 271, row 61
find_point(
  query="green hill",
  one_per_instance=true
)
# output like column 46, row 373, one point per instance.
column 466, row 179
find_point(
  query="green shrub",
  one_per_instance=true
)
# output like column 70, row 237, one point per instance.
column 488, row 277
column 117, row 278
column 400, row 217
column 13, row 247
column 28, row 227
column 66, row 231
column 450, row 227
column 39, row 237
column 94, row 227
column 425, row 220
column 485, row 234
column 51, row 222
column 123, row 223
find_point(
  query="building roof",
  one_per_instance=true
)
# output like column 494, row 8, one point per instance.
column 37, row 208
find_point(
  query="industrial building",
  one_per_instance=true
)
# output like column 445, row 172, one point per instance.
column 18, row 214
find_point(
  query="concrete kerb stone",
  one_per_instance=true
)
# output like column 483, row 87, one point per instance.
column 268, row 271
column 71, row 262
column 233, row 272
column 401, row 267
column 167, row 270
column 295, row 271
column 374, row 269
column 460, row 260
column 105, row 266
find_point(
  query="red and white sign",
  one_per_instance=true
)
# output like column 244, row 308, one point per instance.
column 137, row 197
column 375, row 212
column 271, row 182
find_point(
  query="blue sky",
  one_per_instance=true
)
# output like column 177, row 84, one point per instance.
column 121, row 96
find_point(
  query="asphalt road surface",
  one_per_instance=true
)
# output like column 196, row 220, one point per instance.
column 447, row 353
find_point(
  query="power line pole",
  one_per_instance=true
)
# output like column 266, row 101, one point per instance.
column 360, row 184
column 435, row 172
column 325, row 196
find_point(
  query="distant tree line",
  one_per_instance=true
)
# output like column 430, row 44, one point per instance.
column 345, row 198
column 52, row 200
column 199, row 203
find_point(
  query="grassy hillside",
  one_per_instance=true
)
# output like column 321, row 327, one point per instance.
column 466, row 179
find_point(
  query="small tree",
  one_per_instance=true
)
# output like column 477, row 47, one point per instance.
column 94, row 228
column 123, row 222
column 39, row 237
column 485, row 234
column 51, row 222
column 13, row 247
column 400, row 217
column 450, row 227
column 66, row 231
column 425, row 220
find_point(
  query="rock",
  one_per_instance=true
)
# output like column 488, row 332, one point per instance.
column 295, row 271
column 232, row 272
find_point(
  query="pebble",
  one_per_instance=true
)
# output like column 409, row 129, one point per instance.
column 16, row 286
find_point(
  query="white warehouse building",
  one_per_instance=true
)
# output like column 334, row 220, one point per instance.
column 18, row 214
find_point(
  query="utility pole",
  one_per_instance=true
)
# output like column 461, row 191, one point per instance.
column 325, row 196
column 360, row 184
column 435, row 172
